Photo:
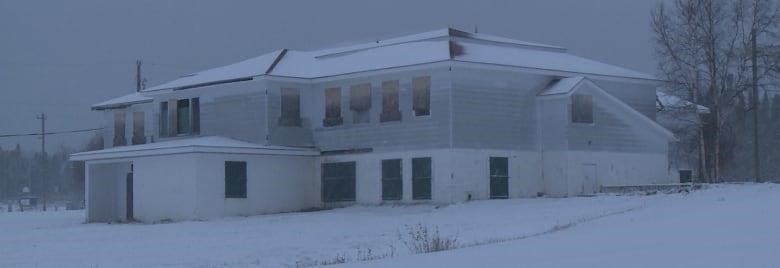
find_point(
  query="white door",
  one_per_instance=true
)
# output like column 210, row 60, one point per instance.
column 589, row 181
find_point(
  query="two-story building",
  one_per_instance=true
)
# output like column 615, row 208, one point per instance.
column 444, row 116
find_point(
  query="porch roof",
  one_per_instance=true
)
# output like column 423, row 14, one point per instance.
column 209, row 144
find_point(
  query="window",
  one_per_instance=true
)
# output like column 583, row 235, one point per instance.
column 332, row 107
column 392, row 184
column 138, row 128
column 582, row 109
column 235, row 179
column 360, row 103
column 421, row 95
column 338, row 182
column 421, row 178
column 499, row 177
column 291, row 108
column 164, row 119
column 119, row 128
column 179, row 117
column 183, row 116
column 390, row 111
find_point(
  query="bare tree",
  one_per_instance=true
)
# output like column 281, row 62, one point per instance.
column 704, row 55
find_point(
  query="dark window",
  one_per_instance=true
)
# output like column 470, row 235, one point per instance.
column 421, row 178
column 499, row 177
column 183, row 116
column 195, row 115
column 392, row 185
column 164, row 119
column 235, row 179
column 390, row 111
column 582, row 109
column 291, row 108
column 421, row 95
column 119, row 128
column 138, row 128
column 338, row 182
column 360, row 103
column 332, row 107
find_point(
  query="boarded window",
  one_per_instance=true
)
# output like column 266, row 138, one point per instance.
column 390, row 111
column 421, row 95
column 338, row 182
column 392, row 184
column 235, row 179
column 138, row 128
column 291, row 108
column 499, row 177
column 164, row 119
column 582, row 109
column 421, row 178
column 119, row 128
column 332, row 107
column 183, row 116
column 360, row 103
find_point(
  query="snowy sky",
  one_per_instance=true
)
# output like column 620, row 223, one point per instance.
column 59, row 57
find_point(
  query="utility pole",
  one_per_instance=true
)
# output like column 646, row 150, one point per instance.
column 138, row 64
column 45, row 191
column 754, row 67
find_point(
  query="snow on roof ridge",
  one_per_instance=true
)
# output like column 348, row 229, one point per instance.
column 435, row 34
column 561, row 86
column 118, row 102
column 249, row 68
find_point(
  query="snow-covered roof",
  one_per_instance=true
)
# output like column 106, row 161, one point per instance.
column 561, row 86
column 671, row 101
column 208, row 144
column 123, row 101
column 428, row 47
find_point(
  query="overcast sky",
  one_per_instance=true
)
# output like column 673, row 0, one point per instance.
column 59, row 57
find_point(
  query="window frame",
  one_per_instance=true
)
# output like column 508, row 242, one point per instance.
column 421, row 83
column 120, row 128
column 577, row 117
column 242, row 179
column 351, row 181
column 291, row 120
column 387, row 115
column 385, row 179
column 333, row 115
column 355, row 108
column 420, row 179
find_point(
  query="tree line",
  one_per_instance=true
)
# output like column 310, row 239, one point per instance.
column 50, row 175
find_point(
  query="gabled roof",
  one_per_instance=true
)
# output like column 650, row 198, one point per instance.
column 121, row 102
column 567, row 86
column 428, row 47
column 208, row 144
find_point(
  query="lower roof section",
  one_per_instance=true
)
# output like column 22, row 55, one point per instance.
column 209, row 144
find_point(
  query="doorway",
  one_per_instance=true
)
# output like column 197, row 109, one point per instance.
column 129, row 195
column 589, row 180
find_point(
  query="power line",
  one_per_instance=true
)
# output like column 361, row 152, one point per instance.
column 49, row 133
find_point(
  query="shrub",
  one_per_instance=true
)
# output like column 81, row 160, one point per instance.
column 422, row 239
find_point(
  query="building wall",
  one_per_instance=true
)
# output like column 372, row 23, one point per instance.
column 471, row 169
column 495, row 109
column 618, row 169
column 275, row 183
column 369, row 175
column 105, row 192
column 412, row 132
column 164, row 187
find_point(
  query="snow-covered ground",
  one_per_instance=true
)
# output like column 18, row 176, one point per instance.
column 725, row 226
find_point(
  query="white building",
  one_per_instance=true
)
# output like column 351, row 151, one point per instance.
column 443, row 116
